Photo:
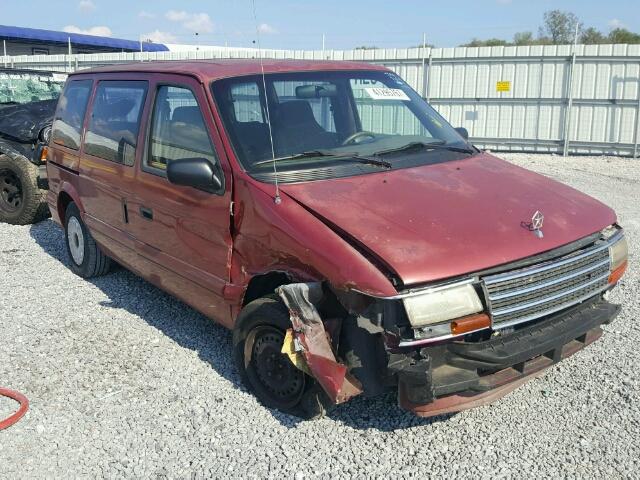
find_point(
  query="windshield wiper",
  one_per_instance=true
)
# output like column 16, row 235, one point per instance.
column 332, row 156
column 364, row 160
column 308, row 154
column 423, row 146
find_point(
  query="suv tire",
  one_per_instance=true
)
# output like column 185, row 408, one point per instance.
column 21, row 201
column 85, row 257
column 257, row 341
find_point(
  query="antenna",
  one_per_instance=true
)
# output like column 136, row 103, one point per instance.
column 276, row 198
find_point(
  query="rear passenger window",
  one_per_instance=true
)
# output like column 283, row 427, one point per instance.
column 177, row 129
column 70, row 113
column 115, row 120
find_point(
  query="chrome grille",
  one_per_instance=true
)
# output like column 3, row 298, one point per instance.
column 533, row 292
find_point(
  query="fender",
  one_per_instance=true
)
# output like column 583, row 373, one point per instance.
column 285, row 237
column 53, row 198
column 70, row 190
column 8, row 148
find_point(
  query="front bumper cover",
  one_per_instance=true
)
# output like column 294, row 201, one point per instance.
column 462, row 375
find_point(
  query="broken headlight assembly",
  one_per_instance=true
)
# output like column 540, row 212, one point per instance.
column 446, row 311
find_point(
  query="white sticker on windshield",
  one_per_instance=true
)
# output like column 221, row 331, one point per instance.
column 387, row 94
column 59, row 77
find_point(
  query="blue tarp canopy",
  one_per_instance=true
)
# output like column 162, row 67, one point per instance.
column 77, row 39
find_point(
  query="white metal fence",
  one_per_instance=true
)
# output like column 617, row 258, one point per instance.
column 534, row 98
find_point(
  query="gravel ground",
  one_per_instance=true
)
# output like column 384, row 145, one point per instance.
column 125, row 381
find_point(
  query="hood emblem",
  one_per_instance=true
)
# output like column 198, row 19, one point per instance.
column 535, row 225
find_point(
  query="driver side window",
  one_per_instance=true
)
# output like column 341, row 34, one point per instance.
column 177, row 130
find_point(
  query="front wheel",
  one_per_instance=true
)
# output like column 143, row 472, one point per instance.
column 257, row 342
column 21, row 201
column 85, row 257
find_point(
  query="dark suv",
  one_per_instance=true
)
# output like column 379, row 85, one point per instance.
column 27, row 102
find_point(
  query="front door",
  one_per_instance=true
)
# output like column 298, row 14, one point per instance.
column 183, row 233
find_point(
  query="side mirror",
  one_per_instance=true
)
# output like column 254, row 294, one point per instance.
column 194, row 172
column 463, row 132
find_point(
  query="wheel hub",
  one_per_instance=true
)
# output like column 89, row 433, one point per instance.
column 75, row 239
column 10, row 191
column 274, row 369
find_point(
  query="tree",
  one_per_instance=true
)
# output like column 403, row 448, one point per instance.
column 560, row 26
column 591, row 36
column 622, row 35
column 366, row 47
column 428, row 45
column 523, row 38
column 491, row 42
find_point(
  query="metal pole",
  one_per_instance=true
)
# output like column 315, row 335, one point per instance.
column 636, row 133
column 323, row 39
column 4, row 49
column 567, row 120
column 69, row 57
column 426, row 83
column 424, row 63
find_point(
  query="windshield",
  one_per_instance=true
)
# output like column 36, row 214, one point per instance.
column 326, row 124
column 26, row 87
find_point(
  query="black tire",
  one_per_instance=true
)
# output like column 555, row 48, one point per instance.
column 261, row 326
column 21, row 201
column 85, row 257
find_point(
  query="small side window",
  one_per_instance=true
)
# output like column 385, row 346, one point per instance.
column 115, row 121
column 70, row 113
column 178, row 130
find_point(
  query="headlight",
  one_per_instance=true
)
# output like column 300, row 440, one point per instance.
column 618, row 255
column 442, row 304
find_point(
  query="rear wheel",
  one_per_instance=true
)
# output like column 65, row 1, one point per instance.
column 85, row 257
column 21, row 201
column 257, row 339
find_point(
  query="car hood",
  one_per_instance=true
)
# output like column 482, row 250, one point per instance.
column 23, row 122
column 437, row 221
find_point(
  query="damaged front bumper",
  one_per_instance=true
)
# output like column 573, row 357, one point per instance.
column 460, row 375
column 352, row 355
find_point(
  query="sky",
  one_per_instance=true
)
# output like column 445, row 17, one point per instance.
column 301, row 24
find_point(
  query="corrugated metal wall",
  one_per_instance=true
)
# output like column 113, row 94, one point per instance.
column 590, row 106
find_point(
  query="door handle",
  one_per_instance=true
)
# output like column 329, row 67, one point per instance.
column 146, row 213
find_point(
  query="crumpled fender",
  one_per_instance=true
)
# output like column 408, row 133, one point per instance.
column 285, row 237
column 8, row 148
column 313, row 341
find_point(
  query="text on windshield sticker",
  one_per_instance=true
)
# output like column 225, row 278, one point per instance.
column 387, row 94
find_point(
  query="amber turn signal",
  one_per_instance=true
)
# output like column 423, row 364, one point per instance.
column 470, row 323
column 617, row 273
column 43, row 154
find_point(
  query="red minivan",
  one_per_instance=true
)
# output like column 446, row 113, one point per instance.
column 352, row 239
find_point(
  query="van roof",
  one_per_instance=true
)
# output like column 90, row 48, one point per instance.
column 207, row 70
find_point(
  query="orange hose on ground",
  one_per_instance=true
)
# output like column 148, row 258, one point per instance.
column 24, row 406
